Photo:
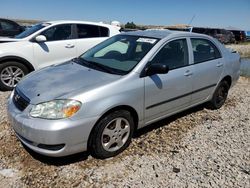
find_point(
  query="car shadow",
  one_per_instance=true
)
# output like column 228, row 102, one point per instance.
column 168, row 120
column 58, row 161
column 83, row 156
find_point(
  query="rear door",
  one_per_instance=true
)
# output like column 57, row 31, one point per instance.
column 59, row 47
column 89, row 36
column 208, row 67
column 170, row 92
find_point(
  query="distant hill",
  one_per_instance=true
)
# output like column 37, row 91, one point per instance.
column 26, row 22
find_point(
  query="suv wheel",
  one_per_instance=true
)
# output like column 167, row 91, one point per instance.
column 220, row 95
column 112, row 134
column 10, row 74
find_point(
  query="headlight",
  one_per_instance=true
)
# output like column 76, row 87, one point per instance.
column 56, row 109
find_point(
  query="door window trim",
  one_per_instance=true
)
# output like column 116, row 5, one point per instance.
column 72, row 32
column 209, row 41
column 159, row 49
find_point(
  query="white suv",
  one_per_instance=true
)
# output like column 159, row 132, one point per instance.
column 46, row 44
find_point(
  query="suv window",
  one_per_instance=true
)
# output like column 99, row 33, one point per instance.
column 7, row 26
column 204, row 50
column 90, row 31
column 104, row 31
column 59, row 32
column 174, row 54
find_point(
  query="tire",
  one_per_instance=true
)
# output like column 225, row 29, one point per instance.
column 10, row 74
column 111, row 135
column 219, row 96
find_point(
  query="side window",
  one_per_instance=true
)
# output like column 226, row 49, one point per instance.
column 7, row 26
column 204, row 50
column 59, row 32
column 104, row 31
column 174, row 54
column 87, row 31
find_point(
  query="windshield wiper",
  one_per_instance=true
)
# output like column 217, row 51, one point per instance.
column 81, row 61
column 102, row 67
column 97, row 66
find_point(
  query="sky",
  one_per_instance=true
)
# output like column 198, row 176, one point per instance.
column 205, row 13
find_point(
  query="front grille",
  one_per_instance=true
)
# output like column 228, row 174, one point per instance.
column 20, row 100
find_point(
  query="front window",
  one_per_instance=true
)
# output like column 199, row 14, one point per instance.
column 31, row 30
column 59, row 32
column 174, row 54
column 119, row 54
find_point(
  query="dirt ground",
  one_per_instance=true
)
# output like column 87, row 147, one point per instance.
column 196, row 148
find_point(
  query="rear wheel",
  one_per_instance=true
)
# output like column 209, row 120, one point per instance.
column 112, row 134
column 10, row 74
column 220, row 95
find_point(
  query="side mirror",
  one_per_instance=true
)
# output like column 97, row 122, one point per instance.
column 156, row 69
column 40, row 38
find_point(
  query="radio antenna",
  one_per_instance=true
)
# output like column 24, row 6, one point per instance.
column 191, row 19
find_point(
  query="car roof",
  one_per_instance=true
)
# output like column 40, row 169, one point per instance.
column 77, row 22
column 162, row 33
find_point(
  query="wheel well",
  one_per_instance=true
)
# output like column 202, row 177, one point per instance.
column 19, row 60
column 228, row 79
column 122, row 107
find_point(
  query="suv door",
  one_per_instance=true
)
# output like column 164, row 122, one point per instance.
column 208, row 67
column 59, row 47
column 89, row 36
column 168, row 93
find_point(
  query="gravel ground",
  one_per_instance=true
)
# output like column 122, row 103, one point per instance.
column 243, row 49
column 197, row 148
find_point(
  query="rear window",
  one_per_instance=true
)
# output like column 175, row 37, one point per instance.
column 91, row 31
column 204, row 50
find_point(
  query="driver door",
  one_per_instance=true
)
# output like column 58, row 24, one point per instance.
column 170, row 92
column 59, row 47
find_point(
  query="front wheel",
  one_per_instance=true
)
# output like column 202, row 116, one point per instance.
column 220, row 95
column 112, row 134
column 10, row 74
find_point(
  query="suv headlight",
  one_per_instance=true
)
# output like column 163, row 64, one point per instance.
column 56, row 109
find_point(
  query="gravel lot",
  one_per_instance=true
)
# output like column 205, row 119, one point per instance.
column 197, row 148
column 243, row 49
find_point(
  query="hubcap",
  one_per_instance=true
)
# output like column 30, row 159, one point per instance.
column 115, row 134
column 11, row 75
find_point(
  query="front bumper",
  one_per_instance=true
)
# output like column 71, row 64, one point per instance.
column 50, row 137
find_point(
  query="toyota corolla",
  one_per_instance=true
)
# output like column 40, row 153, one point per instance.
column 97, row 101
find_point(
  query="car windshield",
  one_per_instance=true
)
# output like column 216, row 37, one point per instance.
column 31, row 30
column 119, row 54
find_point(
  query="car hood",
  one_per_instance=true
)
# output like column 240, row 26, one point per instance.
column 6, row 39
column 58, row 81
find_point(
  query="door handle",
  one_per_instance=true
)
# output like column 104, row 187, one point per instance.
column 219, row 64
column 188, row 73
column 70, row 46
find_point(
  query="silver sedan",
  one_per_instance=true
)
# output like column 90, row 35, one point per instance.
column 97, row 101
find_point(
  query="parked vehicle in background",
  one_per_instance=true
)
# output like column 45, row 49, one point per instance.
column 222, row 35
column 247, row 35
column 187, row 29
column 240, row 36
column 97, row 101
column 9, row 28
column 46, row 44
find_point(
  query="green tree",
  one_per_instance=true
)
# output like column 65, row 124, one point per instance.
column 130, row 25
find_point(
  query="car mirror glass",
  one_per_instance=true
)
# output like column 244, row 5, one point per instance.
column 40, row 38
column 157, row 68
